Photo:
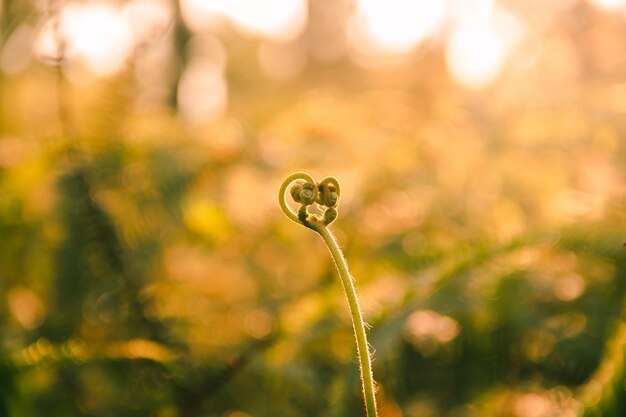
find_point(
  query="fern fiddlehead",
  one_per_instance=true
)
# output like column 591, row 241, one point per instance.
column 326, row 193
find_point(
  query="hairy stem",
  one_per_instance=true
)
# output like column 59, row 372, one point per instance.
column 367, row 379
column 326, row 193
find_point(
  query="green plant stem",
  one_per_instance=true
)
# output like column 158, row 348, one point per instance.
column 365, row 364
column 326, row 193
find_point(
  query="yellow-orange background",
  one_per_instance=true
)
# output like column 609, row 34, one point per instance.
column 146, row 268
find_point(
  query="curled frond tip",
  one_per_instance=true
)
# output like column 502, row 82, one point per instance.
column 304, row 190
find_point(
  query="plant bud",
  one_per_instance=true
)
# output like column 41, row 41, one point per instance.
column 330, row 215
column 307, row 194
column 295, row 192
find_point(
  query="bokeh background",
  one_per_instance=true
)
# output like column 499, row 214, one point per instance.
column 146, row 268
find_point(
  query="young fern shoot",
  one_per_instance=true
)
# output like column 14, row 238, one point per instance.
column 305, row 191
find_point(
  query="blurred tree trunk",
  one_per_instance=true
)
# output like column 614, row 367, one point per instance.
column 181, row 37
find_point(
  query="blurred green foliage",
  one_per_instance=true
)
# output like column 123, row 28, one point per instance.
column 146, row 269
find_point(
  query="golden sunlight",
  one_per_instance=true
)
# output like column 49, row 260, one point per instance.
column 399, row 25
column 609, row 4
column 461, row 253
column 98, row 33
column 275, row 19
column 99, row 36
column 478, row 47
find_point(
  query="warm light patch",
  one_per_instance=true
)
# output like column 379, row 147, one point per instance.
column 141, row 349
column 12, row 151
column 609, row 4
column 425, row 324
column 475, row 54
column 207, row 219
column 276, row 19
column 258, row 323
column 479, row 46
column 98, row 33
column 535, row 405
column 238, row 414
column 202, row 91
column 147, row 18
column 282, row 60
column 569, row 287
column 101, row 36
column 398, row 25
column 26, row 307
column 281, row 19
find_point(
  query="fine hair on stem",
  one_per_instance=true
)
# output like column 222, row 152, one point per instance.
column 305, row 191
